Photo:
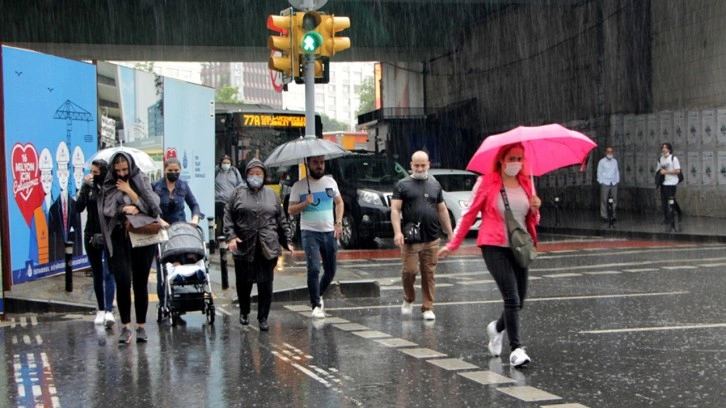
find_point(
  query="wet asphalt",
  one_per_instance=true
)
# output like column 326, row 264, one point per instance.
column 609, row 322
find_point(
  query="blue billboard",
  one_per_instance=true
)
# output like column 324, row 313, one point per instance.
column 50, row 127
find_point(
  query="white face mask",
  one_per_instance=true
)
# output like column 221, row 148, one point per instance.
column 609, row 156
column 512, row 169
column 226, row 166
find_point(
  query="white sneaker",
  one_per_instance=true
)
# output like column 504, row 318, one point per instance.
column 99, row 318
column 318, row 313
column 109, row 320
column 429, row 315
column 519, row 357
column 406, row 308
column 495, row 339
column 322, row 304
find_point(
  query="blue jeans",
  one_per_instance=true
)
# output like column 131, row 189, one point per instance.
column 104, row 285
column 512, row 282
column 317, row 245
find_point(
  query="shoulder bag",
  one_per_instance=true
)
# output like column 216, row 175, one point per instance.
column 144, row 230
column 519, row 239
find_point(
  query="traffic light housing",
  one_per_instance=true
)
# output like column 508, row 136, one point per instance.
column 328, row 27
column 315, row 34
column 284, row 43
column 309, row 39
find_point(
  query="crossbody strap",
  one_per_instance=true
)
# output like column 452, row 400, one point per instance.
column 504, row 198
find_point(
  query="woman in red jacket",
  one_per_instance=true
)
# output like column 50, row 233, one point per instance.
column 486, row 197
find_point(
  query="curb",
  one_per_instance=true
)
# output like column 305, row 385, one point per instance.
column 23, row 305
column 645, row 235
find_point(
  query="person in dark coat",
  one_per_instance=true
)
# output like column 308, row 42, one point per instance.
column 90, row 197
column 126, row 192
column 256, row 229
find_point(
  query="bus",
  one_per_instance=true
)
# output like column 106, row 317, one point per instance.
column 348, row 139
column 246, row 132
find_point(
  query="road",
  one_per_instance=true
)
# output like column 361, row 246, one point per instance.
column 608, row 323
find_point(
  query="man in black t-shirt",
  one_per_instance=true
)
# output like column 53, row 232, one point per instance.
column 419, row 198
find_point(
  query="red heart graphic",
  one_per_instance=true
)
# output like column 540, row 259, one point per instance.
column 170, row 152
column 26, row 179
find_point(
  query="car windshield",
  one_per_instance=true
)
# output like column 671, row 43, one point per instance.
column 456, row 182
column 372, row 169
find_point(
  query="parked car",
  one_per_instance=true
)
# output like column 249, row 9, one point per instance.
column 456, row 186
column 366, row 182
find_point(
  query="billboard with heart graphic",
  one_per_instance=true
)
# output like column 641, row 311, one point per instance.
column 49, row 121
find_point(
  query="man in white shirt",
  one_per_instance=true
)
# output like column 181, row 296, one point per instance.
column 318, row 201
column 608, row 176
column 670, row 167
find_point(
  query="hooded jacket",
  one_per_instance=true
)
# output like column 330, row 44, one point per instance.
column 114, row 200
column 255, row 215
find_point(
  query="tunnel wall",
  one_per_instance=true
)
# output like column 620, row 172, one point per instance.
column 589, row 66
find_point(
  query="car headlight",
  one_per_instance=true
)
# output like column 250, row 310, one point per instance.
column 369, row 197
column 463, row 204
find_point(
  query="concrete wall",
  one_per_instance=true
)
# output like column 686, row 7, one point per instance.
column 579, row 65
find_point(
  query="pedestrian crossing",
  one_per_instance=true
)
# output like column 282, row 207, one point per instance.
column 493, row 376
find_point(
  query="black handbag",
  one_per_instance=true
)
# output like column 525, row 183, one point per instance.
column 412, row 233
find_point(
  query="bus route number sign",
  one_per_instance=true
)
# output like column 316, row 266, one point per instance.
column 268, row 120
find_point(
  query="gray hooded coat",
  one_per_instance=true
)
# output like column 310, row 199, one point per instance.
column 255, row 215
column 114, row 199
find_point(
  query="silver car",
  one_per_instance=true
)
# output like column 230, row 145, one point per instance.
column 456, row 186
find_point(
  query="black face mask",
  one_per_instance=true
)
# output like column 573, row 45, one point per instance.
column 123, row 178
column 98, row 179
column 172, row 177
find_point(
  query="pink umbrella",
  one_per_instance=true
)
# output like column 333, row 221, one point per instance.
column 546, row 148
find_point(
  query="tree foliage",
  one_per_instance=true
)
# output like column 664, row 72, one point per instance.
column 226, row 94
column 367, row 96
column 332, row 125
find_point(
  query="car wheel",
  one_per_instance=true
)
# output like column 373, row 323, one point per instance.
column 349, row 236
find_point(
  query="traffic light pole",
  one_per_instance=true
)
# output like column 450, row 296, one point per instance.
column 310, row 95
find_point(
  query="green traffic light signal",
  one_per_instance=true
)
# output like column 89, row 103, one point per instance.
column 311, row 41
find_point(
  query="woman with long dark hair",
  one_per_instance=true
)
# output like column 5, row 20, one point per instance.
column 90, row 198
column 127, row 192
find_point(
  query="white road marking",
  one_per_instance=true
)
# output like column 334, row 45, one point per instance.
column 661, row 328
column 478, row 302
column 527, row 393
column 562, row 275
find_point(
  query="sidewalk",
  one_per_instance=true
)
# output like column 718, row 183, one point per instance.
column 49, row 295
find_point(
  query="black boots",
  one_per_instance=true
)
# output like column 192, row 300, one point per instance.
column 244, row 320
column 263, row 325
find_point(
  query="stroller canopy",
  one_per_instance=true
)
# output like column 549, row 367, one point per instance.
column 184, row 238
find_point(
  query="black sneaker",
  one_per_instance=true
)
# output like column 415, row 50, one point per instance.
column 141, row 336
column 125, row 336
column 263, row 325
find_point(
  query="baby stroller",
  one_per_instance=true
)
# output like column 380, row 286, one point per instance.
column 184, row 274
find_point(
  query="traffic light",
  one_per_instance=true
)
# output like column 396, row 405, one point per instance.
column 284, row 43
column 328, row 27
column 309, row 40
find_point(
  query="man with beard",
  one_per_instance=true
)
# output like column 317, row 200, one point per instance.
column 418, row 205
column 313, row 197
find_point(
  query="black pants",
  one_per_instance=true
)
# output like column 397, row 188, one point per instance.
column 512, row 282
column 131, row 267
column 246, row 273
column 667, row 192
